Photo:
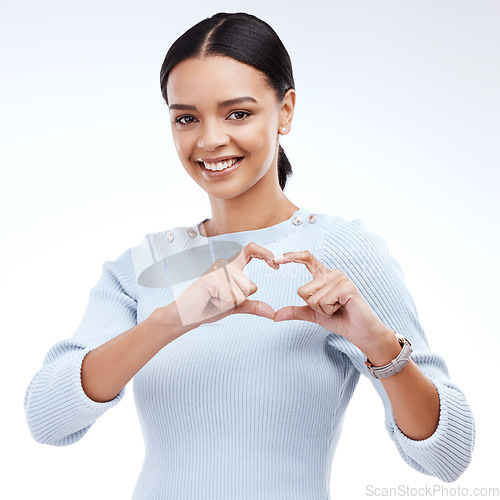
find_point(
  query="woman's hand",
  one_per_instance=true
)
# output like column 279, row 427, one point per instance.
column 222, row 290
column 333, row 302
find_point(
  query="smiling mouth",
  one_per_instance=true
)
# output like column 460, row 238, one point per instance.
column 220, row 166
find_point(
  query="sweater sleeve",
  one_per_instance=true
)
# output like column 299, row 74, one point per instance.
column 58, row 411
column 365, row 259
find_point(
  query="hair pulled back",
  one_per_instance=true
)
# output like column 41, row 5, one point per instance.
column 243, row 37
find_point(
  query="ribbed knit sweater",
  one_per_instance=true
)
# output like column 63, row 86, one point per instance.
column 245, row 408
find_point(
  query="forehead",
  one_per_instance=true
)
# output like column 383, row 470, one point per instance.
column 215, row 78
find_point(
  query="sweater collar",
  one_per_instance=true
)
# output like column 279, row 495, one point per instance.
column 261, row 236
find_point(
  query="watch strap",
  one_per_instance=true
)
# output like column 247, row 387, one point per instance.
column 396, row 365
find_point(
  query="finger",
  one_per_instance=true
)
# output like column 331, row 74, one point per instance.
column 220, row 293
column 229, row 293
column 227, row 288
column 251, row 251
column 247, row 286
column 317, row 292
column 309, row 289
column 329, row 299
column 315, row 267
column 238, row 296
column 320, row 293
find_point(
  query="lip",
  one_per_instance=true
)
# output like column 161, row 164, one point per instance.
column 221, row 173
column 218, row 159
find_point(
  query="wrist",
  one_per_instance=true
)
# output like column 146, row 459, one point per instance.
column 166, row 320
column 382, row 348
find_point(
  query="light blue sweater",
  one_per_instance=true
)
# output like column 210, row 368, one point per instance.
column 244, row 408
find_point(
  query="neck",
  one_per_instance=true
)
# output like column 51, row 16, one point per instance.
column 232, row 217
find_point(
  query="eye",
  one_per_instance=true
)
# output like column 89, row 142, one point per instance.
column 239, row 113
column 185, row 117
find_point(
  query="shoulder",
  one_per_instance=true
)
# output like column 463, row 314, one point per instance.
column 349, row 245
column 353, row 236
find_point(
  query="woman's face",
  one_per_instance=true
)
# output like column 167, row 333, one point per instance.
column 208, row 127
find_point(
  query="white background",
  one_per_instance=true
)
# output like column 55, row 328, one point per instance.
column 396, row 123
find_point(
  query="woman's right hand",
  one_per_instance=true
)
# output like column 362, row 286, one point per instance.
column 220, row 291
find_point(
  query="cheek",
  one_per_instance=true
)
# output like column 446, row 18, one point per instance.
column 258, row 140
column 176, row 138
column 182, row 144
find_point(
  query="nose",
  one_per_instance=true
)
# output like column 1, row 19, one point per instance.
column 212, row 135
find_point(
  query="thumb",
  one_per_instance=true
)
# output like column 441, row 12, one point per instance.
column 255, row 307
column 302, row 313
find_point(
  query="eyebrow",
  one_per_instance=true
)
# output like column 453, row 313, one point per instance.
column 222, row 104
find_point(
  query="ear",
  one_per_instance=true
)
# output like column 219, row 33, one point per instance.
column 286, row 112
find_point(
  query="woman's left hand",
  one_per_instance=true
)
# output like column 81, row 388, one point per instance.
column 333, row 302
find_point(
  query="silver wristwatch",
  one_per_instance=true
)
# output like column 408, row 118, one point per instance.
column 396, row 365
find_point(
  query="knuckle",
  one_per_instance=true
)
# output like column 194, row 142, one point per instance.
column 338, row 274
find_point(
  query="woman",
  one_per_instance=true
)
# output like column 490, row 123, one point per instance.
column 238, row 397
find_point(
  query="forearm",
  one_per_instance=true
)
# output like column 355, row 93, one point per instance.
column 109, row 367
column 414, row 398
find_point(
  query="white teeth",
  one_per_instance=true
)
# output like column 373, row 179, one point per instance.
column 222, row 165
